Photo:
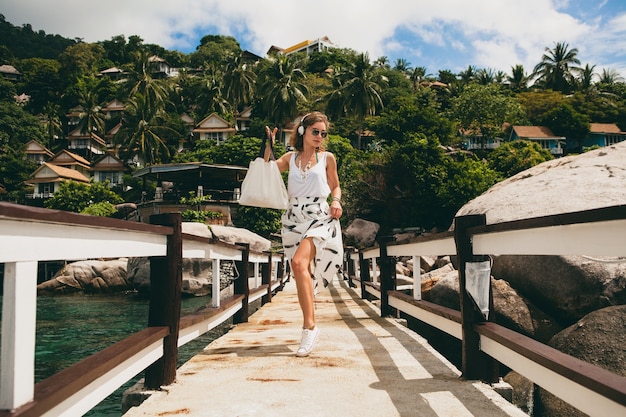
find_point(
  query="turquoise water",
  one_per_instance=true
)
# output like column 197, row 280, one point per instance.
column 72, row 327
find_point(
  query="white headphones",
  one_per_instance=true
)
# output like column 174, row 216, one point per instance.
column 301, row 128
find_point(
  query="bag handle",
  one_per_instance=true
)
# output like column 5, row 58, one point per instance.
column 271, row 145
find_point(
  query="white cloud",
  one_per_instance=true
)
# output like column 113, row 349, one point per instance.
column 448, row 34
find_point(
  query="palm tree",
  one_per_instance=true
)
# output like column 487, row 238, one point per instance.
column 585, row 77
column 402, row 65
column 52, row 123
column 358, row 92
column 556, row 66
column 610, row 77
column 417, row 77
column 485, row 76
column 468, row 75
column 211, row 97
column 239, row 83
column 142, row 133
column 91, row 118
column 382, row 62
column 140, row 81
column 518, row 80
column 282, row 89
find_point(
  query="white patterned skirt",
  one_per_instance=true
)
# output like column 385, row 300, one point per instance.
column 310, row 217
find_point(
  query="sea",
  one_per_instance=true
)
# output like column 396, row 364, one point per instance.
column 71, row 327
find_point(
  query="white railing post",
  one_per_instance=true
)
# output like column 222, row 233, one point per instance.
column 19, row 326
column 417, row 278
column 215, row 297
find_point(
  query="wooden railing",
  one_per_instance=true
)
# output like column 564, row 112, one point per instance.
column 30, row 235
column 485, row 344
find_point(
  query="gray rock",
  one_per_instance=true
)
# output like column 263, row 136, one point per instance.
column 565, row 287
column 361, row 233
column 598, row 338
column 236, row 235
column 91, row 276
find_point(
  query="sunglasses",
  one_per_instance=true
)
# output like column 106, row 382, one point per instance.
column 317, row 132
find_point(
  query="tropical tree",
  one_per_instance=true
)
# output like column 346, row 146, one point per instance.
column 211, row 96
column 140, row 81
column 91, row 118
column 239, row 83
column 52, row 123
column 468, row 75
column 565, row 121
column 382, row 62
column 483, row 110
column 555, row 71
column 282, row 89
column 417, row 76
column 142, row 133
column 402, row 65
column 357, row 93
column 518, row 80
column 76, row 196
column 585, row 78
column 517, row 156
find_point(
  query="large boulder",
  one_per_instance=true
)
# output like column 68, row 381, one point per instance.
column 236, row 235
column 91, row 276
column 361, row 233
column 603, row 331
column 565, row 287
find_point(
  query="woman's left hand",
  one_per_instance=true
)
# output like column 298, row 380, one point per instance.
column 335, row 210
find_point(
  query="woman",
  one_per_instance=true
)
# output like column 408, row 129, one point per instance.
column 311, row 232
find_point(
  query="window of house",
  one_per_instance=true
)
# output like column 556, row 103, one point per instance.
column 45, row 189
column 112, row 177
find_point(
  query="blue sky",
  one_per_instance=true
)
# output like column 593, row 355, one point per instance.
column 446, row 34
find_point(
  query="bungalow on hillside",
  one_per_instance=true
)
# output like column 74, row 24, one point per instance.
column 109, row 168
column 161, row 68
column 213, row 127
column 474, row 140
column 37, row 153
column 541, row 135
column 9, row 72
column 306, row 46
column 242, row 119
column 88, row 145
column 603, row 134
column 113, row 73
column 113, row 109
column 47, row 178
column 70, row 160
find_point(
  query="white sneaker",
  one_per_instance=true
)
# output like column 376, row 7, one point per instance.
column 308, row 340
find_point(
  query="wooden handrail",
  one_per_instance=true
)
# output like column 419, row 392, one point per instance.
column 57, row 388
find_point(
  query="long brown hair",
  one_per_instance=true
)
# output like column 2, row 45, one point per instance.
column 297, row 139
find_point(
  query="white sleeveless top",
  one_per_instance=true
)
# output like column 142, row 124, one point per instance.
column 309, row 183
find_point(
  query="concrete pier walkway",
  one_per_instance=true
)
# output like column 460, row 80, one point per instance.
column 362, row 365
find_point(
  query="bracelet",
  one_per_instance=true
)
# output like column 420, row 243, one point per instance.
column 337, row 199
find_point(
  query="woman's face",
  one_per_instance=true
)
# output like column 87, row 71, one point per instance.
column 315, row 134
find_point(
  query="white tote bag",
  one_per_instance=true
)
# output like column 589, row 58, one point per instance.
column 263, row 185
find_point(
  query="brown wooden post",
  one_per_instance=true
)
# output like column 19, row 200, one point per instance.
column 350, row 266
column 280, row 272
column 266, row 278
column 364, row 268
column 387, row 276
column 475, row 364
column 165, row 299
column 241, row 287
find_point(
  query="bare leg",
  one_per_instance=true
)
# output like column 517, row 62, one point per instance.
column 300, row 265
